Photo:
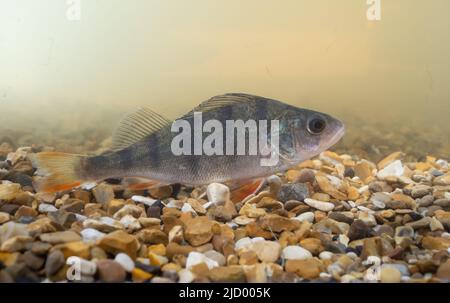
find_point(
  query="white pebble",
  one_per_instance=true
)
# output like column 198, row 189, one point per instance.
column 141, row 199
column 46, row 208
column 195, row 258
column 320, row 205
column 91, row 235
column 294, row 252
column 84, row 266
column 326, row 255
column 185, row 276
column 187, row 208
column 308, row 216
column 395, row 169
column 125, row 261
column 218, row 193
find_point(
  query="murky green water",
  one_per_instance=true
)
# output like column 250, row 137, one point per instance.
column 67, row 82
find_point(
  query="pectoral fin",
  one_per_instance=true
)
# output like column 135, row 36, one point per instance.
column 242, row 189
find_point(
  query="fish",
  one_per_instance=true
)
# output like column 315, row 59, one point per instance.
column 146, row 146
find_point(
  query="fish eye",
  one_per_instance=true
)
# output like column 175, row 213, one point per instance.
column 316, row 126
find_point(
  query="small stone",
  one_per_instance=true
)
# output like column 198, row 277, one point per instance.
column 125, row 261
column 218, row 193
column 443, row 271
column 390, row 158
column 329, row 188
column 390, row 275
column 233, row 273
column 323, row 206
column 120, row 241
column 435, row 224
column 276, row 223
column 91, row 235
column 256, row 273
column 77, row 248
column 138, row 275
column 87, row 268
column 308, row 269
column 103, row 193
column 421, row 190
column 12, row 229
column 267, row 251
column 152, row 236
column 367, row 218
column 9, row 191
column 308, row 216
column 437, row 243
column 422, row 223
column 40, row 248
column 73, row 205
column 46, row 208
column 313, row 245
column 216, row 256
column 110, row 271
column 293, row 191
column 364, row 170
column 295, row 252
column 4, row 217
column 129, row 210
column 442, row 180
column 174, row 249
column 394, row 169
column 199, row 231
column 60, row 237
column 16, row 243
column 33, row 261
column 195, row 258
column 161, row 192
column 55, row 261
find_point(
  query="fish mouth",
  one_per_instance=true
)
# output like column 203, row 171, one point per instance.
column 337, row 136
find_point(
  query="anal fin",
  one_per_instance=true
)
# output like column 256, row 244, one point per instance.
column 242, row 189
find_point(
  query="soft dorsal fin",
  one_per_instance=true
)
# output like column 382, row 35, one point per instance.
column 221, row 101
column 137, row 126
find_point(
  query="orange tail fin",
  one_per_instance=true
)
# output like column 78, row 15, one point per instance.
column 61, row 171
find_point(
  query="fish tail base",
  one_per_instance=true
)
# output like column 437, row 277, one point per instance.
column 61, row 171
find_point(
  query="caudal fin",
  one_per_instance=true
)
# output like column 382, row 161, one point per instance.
column 61, row 171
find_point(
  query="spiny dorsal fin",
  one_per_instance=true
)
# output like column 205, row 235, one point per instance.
column 221, row 101
column 137, row 126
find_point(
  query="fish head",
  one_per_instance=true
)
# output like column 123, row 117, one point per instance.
column 306, row 133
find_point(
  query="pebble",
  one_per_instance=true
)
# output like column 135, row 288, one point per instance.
column 390, row 275
column 103, row 193
column 110, row 271
column 46, row 208
column 323, row 206
column 218, row 193
column 195, row 258
column 60, row 237
column 198, row 231
column 394, row 169
column 267, row 251
column 294, row 252
column 55, row 261
column 91, row 235
column 359, row 230
column 86, row 267
column 293, row 191
column 308, row 216
column 125, row 261
column 120, row 241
